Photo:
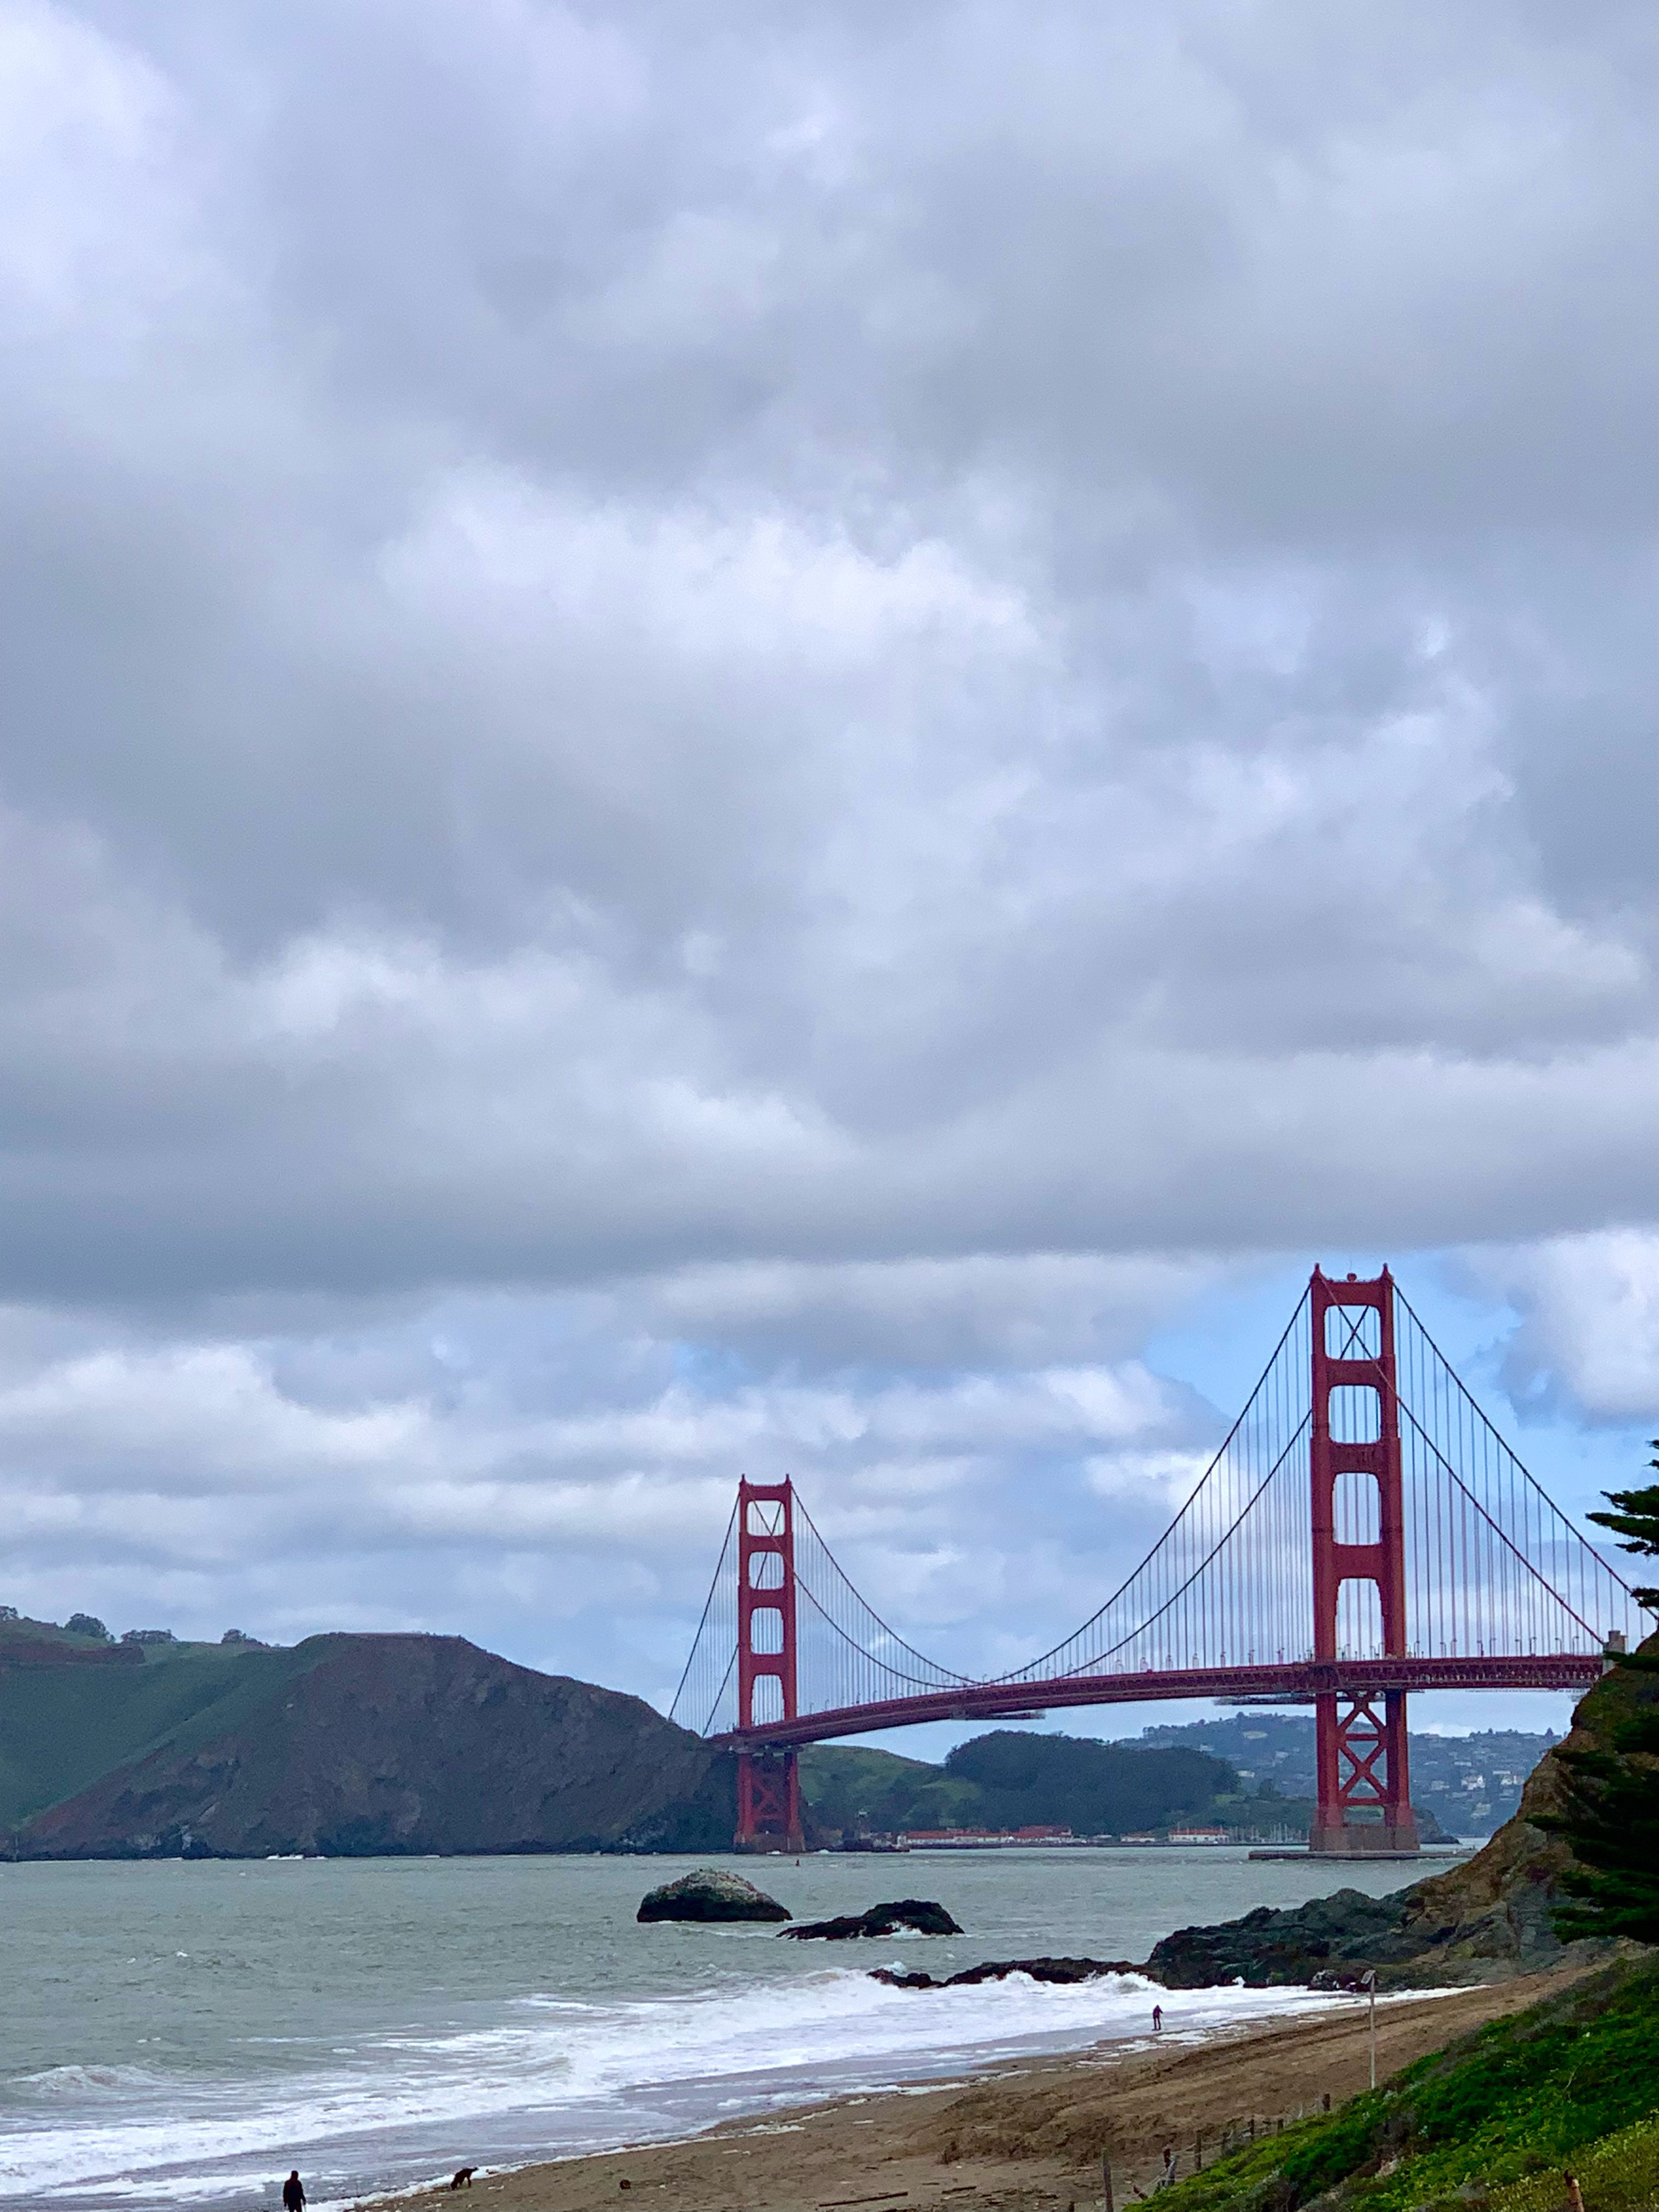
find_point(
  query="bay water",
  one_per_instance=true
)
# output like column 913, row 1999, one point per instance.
column 182, row 2033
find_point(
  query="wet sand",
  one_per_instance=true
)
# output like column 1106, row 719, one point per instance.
column 1027, row 2138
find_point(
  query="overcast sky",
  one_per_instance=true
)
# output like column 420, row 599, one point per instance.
column 801, row 739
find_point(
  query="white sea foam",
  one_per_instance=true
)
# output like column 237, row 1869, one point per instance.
column 551, row 2072
column 76, row 2082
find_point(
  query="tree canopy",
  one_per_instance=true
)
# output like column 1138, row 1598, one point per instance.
column 1609, row 1814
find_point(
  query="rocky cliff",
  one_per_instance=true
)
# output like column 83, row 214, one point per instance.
column 1480, row 1920
column 359, row 1745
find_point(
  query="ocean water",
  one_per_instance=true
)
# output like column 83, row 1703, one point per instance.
column 181, row 2033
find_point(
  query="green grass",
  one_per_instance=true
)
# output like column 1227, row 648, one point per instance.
column 850, row 1786
column 1619, row 2173
column 1518, row 2099
column 61, row 1727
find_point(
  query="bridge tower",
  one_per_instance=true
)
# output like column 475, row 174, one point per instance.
column 769, row 1782
column 1355, row 1465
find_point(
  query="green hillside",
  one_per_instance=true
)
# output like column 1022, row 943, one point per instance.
column 1012, row 1778
column 62, row 1727
column 859, row 1790
column 342, row 1745
column 1569, row 2082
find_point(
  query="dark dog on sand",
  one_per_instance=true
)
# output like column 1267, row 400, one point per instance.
column 464, row 2179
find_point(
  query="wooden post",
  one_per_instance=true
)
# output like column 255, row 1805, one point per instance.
column 1106, row 2181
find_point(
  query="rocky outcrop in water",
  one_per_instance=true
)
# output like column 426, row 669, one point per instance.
column 918, row 1914
column 1347, row 1932
column 997, row 1970
column 710, row 1893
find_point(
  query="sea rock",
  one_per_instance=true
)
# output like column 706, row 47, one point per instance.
column 919, row 1914
column 997, row 1970
column 710, row 1893
column 1267, row 1948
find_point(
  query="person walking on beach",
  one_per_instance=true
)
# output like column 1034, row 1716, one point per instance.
column 1157, row 2019
column 294, row 2193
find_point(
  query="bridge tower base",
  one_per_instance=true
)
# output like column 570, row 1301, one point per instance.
column 769, row 1780
column 768, row 1802
column 1364, row 1786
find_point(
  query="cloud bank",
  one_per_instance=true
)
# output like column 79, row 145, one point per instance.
column 738, row 740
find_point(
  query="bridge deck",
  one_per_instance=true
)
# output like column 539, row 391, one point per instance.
column 1297, row 1683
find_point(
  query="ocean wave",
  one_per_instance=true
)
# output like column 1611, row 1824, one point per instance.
column 751, row 2047
column 85, row 2079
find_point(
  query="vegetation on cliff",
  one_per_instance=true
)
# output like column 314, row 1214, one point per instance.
column 1607, row 1806
column 1526, row 2096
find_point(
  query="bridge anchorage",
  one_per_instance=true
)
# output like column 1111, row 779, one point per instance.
column 1364, row 1532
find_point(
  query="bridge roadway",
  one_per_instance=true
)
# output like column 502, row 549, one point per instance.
column 1298, row 1683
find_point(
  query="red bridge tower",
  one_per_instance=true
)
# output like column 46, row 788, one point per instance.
column 1354, row 1460
column 769, row 1782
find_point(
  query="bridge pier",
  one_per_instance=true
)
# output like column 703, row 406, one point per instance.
column 1353, row 1741
column 769, row 1780
column 1363, row 1766
column 768, row 1802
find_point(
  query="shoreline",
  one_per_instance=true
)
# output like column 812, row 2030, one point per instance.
column 1025, row 2135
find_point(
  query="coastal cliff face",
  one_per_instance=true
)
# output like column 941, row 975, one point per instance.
column 360, row 1745
column 1492, row 1915
column 1480, row 1920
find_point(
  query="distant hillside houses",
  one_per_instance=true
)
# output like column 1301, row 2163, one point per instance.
column 1472, row 1783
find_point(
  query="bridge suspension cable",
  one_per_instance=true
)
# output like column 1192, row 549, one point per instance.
column 1492, row 1567
column 1494, row 1564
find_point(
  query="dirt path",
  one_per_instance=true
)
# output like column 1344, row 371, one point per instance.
column 1027, row 2139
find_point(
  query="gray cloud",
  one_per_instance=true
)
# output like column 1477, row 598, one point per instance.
column 801, row 704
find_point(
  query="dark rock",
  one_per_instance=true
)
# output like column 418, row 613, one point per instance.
column 997, row 1970
column 919, row 1914
column 1267, row 1948
column 710, row 1893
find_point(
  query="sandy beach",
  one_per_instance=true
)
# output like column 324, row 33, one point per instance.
column 1023, row 2139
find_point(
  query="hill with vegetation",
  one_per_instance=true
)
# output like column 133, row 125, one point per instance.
column 1470, row 1783
column 341, row 1744
column 1012, row 1779
column 1017, row 1778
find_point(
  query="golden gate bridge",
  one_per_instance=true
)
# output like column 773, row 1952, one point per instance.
column 1363, row 1532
